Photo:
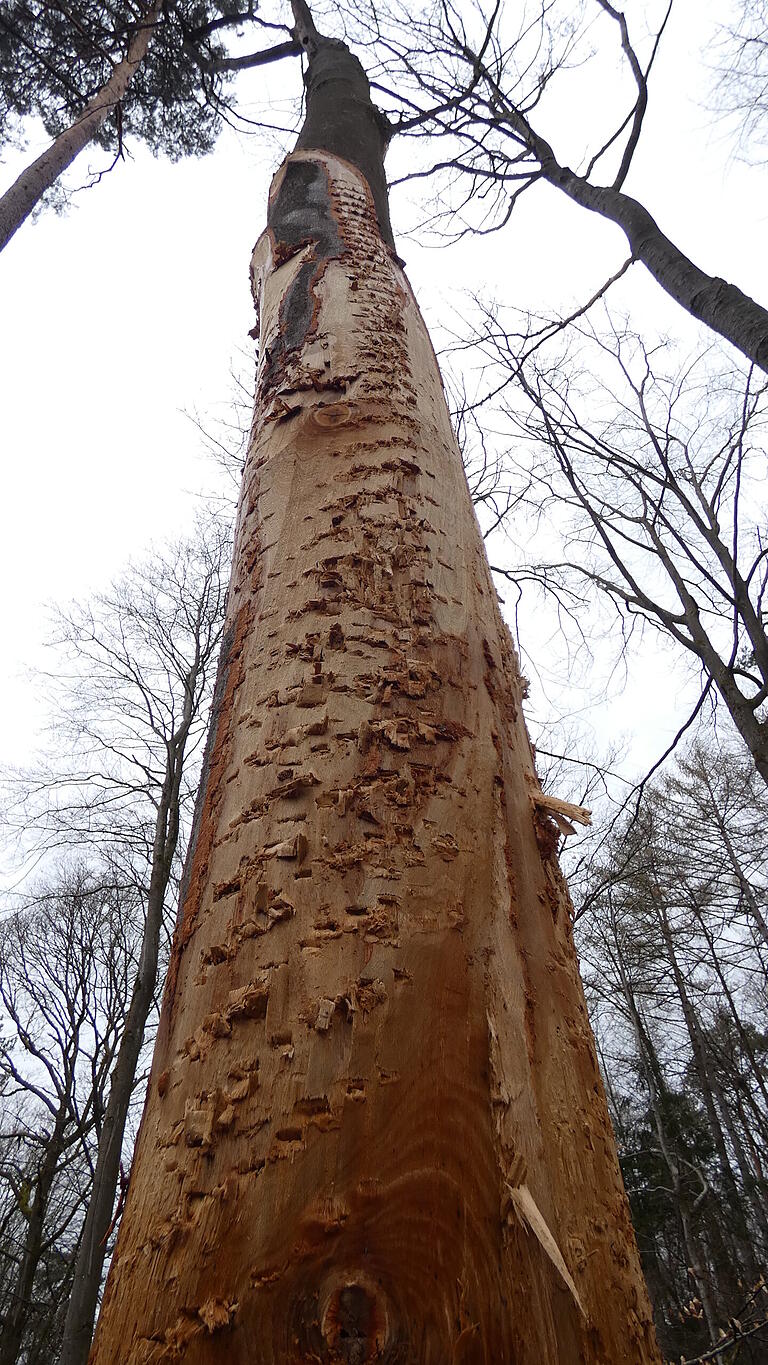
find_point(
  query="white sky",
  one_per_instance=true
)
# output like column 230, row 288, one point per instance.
column 130, row 310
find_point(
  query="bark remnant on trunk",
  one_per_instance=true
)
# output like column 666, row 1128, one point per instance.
column 375, row 1129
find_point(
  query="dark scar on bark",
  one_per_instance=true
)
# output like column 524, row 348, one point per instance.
column 300, row 215
column 342, row 118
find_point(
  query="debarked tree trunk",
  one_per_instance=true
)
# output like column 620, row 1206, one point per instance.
column 375, row 1128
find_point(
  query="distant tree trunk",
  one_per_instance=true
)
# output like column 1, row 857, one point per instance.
column 92, row 1247
column 28, row 189
column 750, row 1175
column 752, row 1179
column 742, row 881
column 708, row 1095
column 749, row 1137
column 657, row 1093
column 375, row 1128
column 16, row 1320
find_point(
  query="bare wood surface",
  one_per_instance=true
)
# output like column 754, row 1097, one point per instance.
column 373, row 1027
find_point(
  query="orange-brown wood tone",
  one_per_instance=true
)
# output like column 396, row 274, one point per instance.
column 375, row 1129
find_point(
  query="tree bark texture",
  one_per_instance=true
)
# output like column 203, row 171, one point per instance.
column 375, row 1129
column 28, row 189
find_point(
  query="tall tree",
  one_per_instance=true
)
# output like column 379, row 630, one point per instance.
column 678, row 999
column 67, row 958
column 134, row 673
column 18, row 202
column 101, row 73
column 375, row 1127
column 151, row 658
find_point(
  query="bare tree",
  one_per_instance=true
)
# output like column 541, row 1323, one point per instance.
column 725, row 800
column 677, row 990
column 651, row 476
column 488, row 79
column 741, row 75
column 133, row 682
column 67, row 960
column 131, row 676
column 144, row 662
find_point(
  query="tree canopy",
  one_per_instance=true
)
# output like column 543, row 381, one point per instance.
column 54, row 58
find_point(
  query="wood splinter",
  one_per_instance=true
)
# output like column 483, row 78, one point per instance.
column 564, row 813
column 530, row 1216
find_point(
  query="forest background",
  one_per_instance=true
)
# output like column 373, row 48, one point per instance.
column 124, row 320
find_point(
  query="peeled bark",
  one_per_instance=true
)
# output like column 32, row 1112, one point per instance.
column 28, row 189
column 375, row 1128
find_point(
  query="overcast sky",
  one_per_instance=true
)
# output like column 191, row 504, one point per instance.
column 129, row 312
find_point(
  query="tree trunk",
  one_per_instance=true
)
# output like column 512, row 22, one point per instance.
column 708, row 1095
column 657, row 1095
column 750, row 1175
column 754, row 1152
column 26, row 192
column 92, row 1248
column 375, row 1128
column 735, row 1014
column 16, row 1320
column 742, row 881
column 721, row 306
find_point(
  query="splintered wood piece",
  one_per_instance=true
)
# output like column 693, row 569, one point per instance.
column 530, row 1215
column 565, row 809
